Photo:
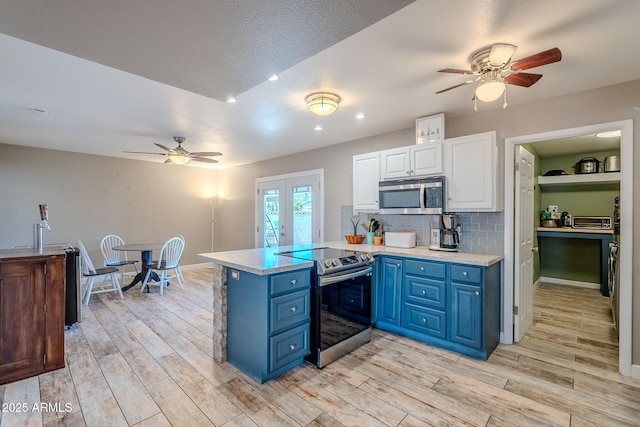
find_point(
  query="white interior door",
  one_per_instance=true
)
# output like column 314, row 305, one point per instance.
column 289, row 211
column 523, row 254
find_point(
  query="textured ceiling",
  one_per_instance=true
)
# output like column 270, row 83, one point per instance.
column 118, row 76
column 218, row 49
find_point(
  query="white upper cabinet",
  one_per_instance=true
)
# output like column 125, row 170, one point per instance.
column 426, row 159
column 366, row 174
column 415, row 160
column 472, row 171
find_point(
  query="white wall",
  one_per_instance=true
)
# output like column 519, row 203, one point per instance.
column 91, row 196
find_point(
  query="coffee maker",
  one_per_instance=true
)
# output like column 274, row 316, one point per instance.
column 449, row 238
column 445, row 232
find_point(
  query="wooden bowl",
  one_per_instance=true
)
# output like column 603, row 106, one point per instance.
column 354, row 239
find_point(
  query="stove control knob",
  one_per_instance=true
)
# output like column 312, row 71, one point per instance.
column 327, row 263
column 335, row 262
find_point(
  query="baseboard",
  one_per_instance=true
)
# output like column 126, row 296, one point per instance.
column 537, row 282
column 195, row 266
column 635, row 371
column 557, row 281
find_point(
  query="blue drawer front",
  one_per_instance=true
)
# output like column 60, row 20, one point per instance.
column 289, row 282
column 288, row 346
column 425, row 269
column 424, row 320
column 288, row 310
column 466, row 273
column 425, row 292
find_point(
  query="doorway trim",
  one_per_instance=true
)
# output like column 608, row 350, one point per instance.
column 626, row 240
column 318, row 172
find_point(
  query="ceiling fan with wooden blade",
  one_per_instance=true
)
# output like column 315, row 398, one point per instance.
column 494, row 68
column 181, row 156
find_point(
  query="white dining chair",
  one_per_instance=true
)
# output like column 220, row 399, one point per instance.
column 178, row 271
column 90, row 272
column 113, row 258
column 167, row 260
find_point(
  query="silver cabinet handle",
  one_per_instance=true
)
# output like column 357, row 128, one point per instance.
column 464, row 273
column 293, row 309
column 397, row 265
column 294, row 281
column 477, row 293
column 424, row 320
column 421, row 268
column 292, row 346
column 352, row 301
column 424, row 292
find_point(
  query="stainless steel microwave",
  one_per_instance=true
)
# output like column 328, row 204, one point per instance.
column 412, row 196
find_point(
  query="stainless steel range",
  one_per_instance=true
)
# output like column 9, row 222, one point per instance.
column 340, row 301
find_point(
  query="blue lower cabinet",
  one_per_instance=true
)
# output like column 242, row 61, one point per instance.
column 390, row 290
column 454, row 306
column 424, row 320
column 267, row 322
column 466, row 314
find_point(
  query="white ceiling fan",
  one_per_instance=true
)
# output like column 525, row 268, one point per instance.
column 181, row 156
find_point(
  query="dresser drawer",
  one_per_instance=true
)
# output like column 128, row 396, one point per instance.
column 425, row 269
column 425, row 292
column 288, row 346
column 466, row 273
column 289, row 282
column 424, row 320
column 288, row 310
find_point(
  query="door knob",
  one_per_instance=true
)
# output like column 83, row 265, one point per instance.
column 535, row 249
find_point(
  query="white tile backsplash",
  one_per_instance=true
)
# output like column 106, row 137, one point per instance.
column 482, row 232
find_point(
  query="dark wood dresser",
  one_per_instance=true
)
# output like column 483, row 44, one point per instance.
column 32, row 308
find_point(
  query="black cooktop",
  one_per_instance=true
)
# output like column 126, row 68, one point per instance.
column 318, row 254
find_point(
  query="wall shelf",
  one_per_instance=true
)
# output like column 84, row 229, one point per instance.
column 581, row 179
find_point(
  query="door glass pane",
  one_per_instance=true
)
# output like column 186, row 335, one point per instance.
column 271, row 203
column 302, row 207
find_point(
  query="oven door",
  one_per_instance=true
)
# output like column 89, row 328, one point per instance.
column 343, row 313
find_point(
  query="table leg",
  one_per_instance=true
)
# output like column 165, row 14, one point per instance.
column 146, row 262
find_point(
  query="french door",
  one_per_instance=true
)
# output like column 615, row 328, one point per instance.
column 288, row 210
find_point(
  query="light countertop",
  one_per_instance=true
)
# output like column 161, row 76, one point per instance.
column 264, row 261
column 576, row 230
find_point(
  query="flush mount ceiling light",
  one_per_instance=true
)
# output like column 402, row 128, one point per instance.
column 323, row 103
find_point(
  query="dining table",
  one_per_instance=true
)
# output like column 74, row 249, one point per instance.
column 146, row 254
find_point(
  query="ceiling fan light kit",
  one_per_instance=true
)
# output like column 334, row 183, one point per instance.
column 323, row 103
column 494, row 69
column 180, row 156
column 491, row 87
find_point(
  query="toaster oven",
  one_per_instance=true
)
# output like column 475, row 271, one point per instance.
column 591, row 222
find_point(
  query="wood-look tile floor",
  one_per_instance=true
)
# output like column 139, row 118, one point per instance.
column 146, row 361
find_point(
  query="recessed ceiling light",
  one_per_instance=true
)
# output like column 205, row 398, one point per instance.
column 360, row 116
column 318, row 127
column 273, row 78
column 231, row 100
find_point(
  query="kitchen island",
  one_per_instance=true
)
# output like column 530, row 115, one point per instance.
column 266, row 262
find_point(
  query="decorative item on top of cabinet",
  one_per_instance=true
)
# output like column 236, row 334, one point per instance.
column 430, row 128
column 473, row 173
